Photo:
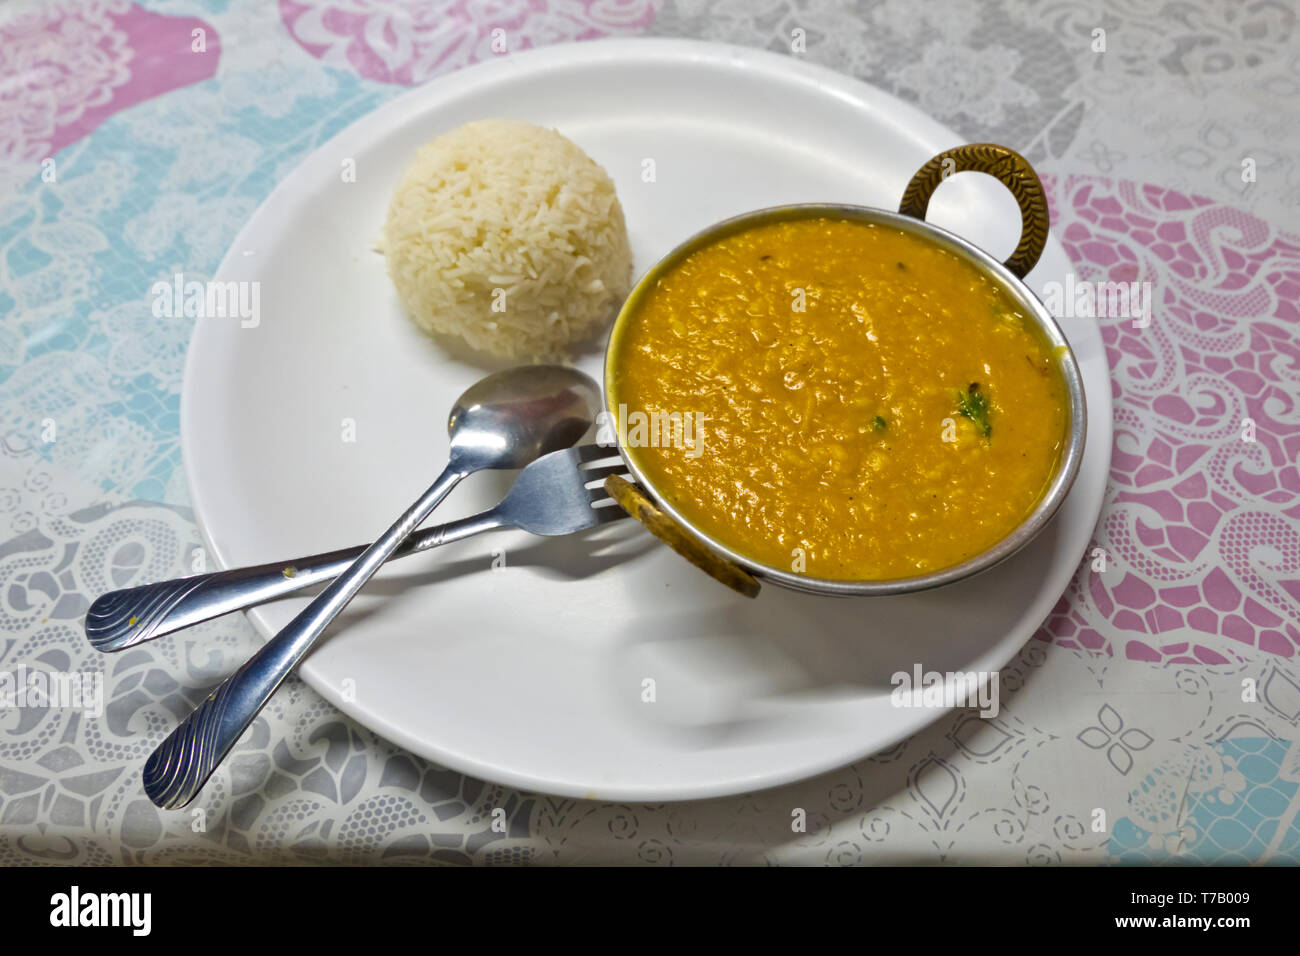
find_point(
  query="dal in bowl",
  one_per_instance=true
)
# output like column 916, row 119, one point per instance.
column 848, row 400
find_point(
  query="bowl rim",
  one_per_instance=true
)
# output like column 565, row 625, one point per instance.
column 1048, row 504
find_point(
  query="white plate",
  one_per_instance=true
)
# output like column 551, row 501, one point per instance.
column 532, row 674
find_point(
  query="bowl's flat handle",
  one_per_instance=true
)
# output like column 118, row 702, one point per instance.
column 1009, row 168
column 636, row 503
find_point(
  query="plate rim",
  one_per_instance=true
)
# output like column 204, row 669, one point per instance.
column 910, row 120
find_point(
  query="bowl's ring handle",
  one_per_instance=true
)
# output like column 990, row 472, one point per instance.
column 635, row 502
column 1009, row 168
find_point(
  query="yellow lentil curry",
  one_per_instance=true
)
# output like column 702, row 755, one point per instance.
column 859, row 403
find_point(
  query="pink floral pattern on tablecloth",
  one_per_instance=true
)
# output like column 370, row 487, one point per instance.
column 1201, row 528
column 66, row 67
column 407, row 43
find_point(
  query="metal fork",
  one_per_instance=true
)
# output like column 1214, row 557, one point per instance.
column 550, row 497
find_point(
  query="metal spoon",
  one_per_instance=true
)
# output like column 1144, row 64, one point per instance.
column 505, row 421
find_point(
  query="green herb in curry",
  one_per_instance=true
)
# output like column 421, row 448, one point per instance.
column 974, row 404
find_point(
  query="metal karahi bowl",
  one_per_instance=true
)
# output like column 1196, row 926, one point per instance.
column 710, row 553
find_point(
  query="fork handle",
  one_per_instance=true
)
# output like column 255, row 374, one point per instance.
column 177, row 770
column 121, row 619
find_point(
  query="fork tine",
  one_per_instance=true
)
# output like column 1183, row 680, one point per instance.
column 613, row 513
column 590, row 453
column 601, row 472
column 598, row 494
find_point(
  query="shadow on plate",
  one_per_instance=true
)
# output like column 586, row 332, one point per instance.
column 788, row 665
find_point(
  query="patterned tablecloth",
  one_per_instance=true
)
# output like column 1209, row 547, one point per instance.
column 1155, row 717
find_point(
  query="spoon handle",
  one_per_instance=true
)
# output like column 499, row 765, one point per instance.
column 130, row 616
column 178, row 769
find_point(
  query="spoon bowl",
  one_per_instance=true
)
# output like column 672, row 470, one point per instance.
column 511, row 418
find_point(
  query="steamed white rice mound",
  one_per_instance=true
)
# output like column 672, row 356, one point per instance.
column 504, row 213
